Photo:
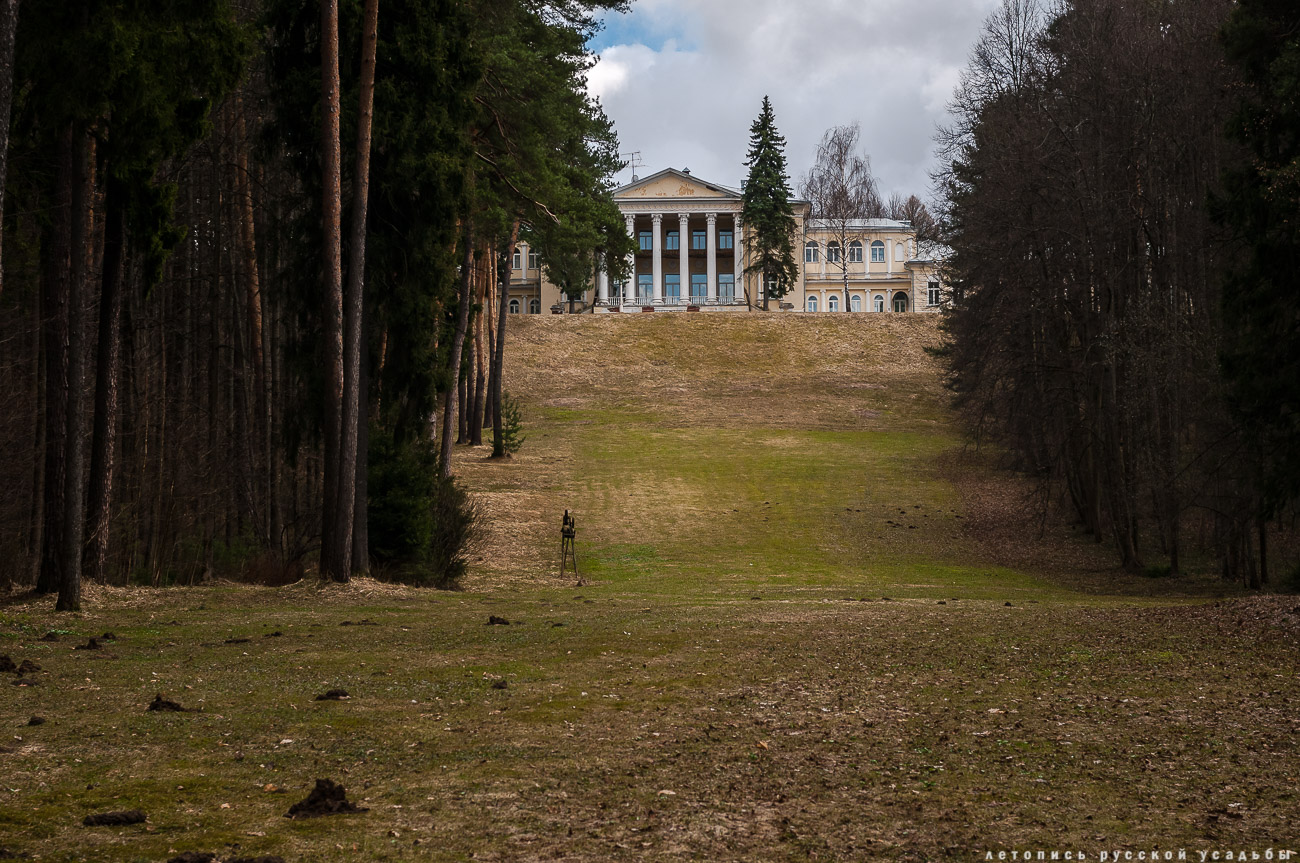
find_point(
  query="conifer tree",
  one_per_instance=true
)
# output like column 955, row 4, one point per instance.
column 767, row 213
column 1261, row 202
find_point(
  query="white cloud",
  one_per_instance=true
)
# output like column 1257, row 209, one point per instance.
column 887, row 64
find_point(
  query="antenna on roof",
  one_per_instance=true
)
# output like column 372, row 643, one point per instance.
column 633, row 161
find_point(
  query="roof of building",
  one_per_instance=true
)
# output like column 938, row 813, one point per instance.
column 685, row 176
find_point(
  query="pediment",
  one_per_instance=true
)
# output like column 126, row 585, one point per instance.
column 672, row 183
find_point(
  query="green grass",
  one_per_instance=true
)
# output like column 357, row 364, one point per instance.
column 731, row 683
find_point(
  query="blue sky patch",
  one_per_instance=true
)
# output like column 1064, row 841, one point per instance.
column 638, row 28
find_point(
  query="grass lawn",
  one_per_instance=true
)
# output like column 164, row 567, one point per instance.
column 813, row 628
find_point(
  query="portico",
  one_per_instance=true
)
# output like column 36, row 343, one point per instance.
column 689, row 246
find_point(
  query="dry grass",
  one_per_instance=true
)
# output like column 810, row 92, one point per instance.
column 731, row 684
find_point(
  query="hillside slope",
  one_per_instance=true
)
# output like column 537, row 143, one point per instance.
column 788, row 452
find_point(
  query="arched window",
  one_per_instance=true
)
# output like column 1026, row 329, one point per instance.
column 879, row 304
column 812, row 304
column 900, row 251
column 833, row 303
column 833, row 252
column 855, row 302
column 534, row 306
column 900, row 302
column 811, row 252
column 514, row 306
column 877, row 252
column 855, row 252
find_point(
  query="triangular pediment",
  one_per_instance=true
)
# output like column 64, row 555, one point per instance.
column 671, row 183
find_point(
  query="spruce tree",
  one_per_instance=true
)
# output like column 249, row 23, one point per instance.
column 1261, row 203
column 767, row 213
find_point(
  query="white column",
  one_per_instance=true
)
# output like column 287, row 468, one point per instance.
column 889, row 257
column 738, row 249
column 684, row 252
column 629, row 284
column 657, row 246
column 602, row 287
column 711, row 287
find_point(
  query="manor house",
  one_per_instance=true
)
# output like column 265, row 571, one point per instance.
column 690, row 257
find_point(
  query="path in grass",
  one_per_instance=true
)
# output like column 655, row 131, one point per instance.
column 730, row 685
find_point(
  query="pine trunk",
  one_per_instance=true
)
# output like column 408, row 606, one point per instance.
column 74, row 477
column 55, row 288
column 103, row 449
column 8, row 30
column 499, row 354
column 453, row 361
column 334, row 556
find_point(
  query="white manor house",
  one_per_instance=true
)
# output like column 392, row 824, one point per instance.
column 690, row 257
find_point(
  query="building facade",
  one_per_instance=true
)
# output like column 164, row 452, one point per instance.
column 690, row 257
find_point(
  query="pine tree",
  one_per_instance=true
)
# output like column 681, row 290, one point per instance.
column 767, row 213
column 1261, row 202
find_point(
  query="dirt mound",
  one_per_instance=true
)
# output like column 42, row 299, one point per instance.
column 115, row 819
column 327, row 798
column 166, row 706
column 333, row 695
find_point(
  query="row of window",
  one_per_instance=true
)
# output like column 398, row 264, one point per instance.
column 673, row 287
column 672, row 240
column 534, row 306
column 534, row 260
column 812, row 252
column 855, row 303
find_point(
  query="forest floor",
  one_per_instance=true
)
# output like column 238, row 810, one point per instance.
column 814, row 626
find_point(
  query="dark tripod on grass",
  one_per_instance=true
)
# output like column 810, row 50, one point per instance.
column 568, row 548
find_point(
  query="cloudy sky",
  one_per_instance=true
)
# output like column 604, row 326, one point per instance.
column 684, row 79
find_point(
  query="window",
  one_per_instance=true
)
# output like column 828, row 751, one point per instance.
column 812, row 304
column 833, row 252
column 698, row 240
column 615, row 291
column 832, row 303
column 699, row 287
column 534, row 261
column 514, row 307
column 515, row 260
column 810, row 252
column 770, row 289
column 534, row 306
column 672, row 287
column 900, row 302
column 725, row 240
column 855, row 302
column 672, row 242
column 899, row 252
column 877, row 252
column 726, row 287
column 646, row 241
column 645, row 287
column 879, row 304
column 932, row 294
column 855, row 252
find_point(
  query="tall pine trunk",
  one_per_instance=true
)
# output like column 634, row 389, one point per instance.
column 334, row 551
column 55, row 288
column 102, row 459
column 345, row 512
column 8, row 30
column 499, row 355
column 74, row 477
column 453, row 361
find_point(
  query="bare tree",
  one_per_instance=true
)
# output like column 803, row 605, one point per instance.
column 842, row 193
